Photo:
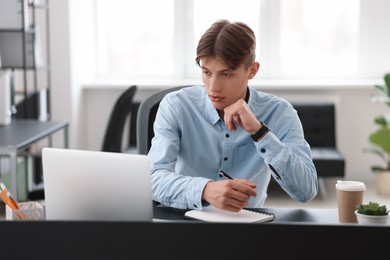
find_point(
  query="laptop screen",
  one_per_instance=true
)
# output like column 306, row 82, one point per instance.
column 94, row 185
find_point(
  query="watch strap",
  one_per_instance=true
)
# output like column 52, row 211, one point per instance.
column 261, row 132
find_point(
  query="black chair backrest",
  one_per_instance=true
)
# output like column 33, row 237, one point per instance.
column 133, row 125
column 145, row 119
column 318, row 121
column 112, row 141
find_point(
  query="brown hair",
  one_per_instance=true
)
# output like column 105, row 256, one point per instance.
column 234, row 43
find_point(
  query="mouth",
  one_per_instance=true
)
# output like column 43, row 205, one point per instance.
column 215, row 98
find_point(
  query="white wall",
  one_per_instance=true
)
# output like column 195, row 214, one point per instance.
column 72, row 60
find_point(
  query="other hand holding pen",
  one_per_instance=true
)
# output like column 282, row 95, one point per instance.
column 231, row 195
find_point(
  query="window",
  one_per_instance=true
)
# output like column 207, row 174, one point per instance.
column 135, row 38
column 317, row 39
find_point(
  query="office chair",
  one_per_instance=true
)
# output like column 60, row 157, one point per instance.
column 146, row 116
column 124, row 107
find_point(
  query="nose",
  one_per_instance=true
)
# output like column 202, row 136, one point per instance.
column 214, row 84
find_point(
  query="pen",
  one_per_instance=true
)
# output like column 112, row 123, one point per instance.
column 10, row 201
column 224, row 175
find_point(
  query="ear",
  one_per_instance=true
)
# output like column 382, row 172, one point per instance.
column 254, row 68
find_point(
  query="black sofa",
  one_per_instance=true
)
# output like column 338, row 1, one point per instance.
column 319, row 126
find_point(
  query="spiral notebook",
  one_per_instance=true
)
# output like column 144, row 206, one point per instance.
column 212, row 214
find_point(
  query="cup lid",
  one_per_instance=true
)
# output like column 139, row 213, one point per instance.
column 350, row 185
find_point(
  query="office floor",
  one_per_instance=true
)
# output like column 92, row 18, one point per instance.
column 279, row 199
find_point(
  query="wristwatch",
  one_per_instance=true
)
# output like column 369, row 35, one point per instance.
column 261, row 132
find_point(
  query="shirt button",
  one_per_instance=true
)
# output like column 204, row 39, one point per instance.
column 227, row 135
column 225, row 159
column 262, row 150
column 196, row 206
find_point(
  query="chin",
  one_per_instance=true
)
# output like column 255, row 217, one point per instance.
column 218, row 106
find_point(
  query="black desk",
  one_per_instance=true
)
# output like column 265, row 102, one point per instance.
column 21, row 134
column 318, row 237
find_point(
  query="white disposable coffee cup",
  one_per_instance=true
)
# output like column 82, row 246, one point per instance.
column 349, row 196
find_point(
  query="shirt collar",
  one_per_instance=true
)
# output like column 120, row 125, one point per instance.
column 210, row 110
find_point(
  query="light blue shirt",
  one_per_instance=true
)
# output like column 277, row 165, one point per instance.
column 191, row 144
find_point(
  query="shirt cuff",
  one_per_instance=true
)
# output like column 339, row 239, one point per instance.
column 194, row 194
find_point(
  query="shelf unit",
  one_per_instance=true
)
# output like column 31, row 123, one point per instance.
column 25, row 54
column 24, row 50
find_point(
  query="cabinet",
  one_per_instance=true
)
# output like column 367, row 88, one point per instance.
column 24, row 51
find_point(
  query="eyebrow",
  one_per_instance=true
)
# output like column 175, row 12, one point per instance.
column 223, row 70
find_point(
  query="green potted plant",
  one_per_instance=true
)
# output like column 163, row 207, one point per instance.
column 371, row 213
column 380, row 139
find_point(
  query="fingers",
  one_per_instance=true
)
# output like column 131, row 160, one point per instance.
column 232, row 113
column 240, row 113
column 234, row 199
column 228, row 119
column 247, row 182
column 243, row 186
column 231, row 195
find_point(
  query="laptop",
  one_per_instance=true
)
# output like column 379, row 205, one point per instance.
column 93, row 185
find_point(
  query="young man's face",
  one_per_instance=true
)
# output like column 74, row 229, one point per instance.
column 223, row 85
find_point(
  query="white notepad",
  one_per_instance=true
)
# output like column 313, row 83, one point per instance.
column 212, row 214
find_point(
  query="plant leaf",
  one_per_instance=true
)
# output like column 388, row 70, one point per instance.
column 381, row 121
column 381, row 138
column 372, row 208
column 387, row 82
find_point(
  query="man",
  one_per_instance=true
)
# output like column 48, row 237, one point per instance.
column 221, row 143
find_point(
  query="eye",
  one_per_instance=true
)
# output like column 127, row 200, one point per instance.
column 225, row 74
column 206, row 72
